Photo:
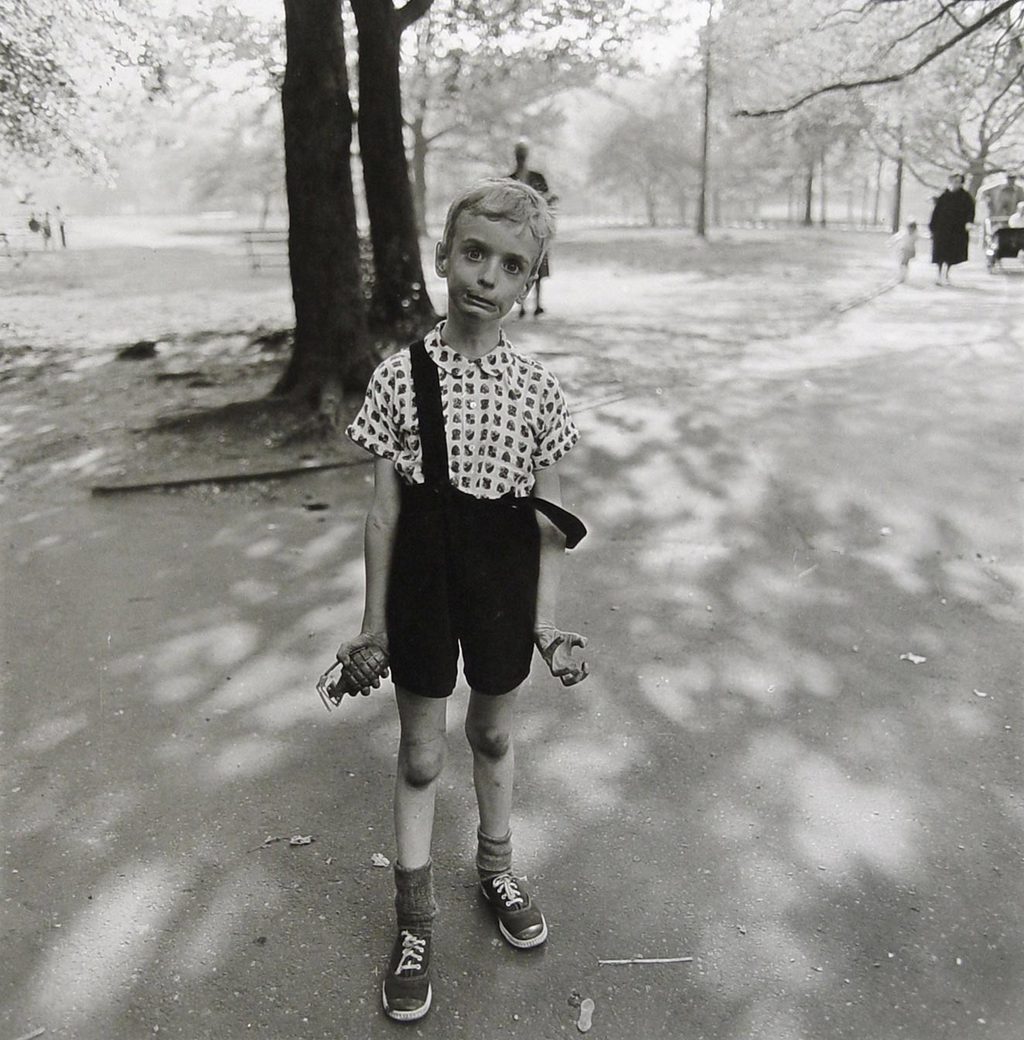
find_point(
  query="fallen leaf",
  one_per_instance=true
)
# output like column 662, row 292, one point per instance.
column 913, row 658
column 378, row 859
column 586, row 1015
column 980, row 693
column 299, row 839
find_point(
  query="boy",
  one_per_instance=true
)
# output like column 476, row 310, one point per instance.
column 463, row 545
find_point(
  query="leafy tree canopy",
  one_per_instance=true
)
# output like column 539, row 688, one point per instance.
column 67, row 68
column 799, row 50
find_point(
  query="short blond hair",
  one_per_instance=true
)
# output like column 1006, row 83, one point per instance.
column 503, row 198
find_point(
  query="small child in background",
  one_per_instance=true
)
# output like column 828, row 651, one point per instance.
column 904, row 243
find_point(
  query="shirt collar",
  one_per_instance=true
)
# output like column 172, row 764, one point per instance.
column 494, row 363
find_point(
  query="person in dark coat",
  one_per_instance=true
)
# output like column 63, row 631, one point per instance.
column 536, row 180
column 954, row 210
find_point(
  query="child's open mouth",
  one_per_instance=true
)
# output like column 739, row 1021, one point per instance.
column 479, row 301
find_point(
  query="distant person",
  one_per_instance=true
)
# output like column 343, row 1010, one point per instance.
column 1016, row 219
column 536, row 180
column 60, row 227
column 905, row 245
column 47, row 231
column 954, row 210
column 1002, row 200
column 467, row 435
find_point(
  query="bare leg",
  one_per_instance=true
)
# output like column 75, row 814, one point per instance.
column 421, row 754
column 489, row 731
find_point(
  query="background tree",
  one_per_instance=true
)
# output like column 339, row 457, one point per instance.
column 242, row 166
column 925, row 81
column 965, row 112
column 825, row 47
column 478, row 78
column 652, row 153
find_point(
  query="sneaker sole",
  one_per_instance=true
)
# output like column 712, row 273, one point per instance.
column 524, row 944
column 407, row 1016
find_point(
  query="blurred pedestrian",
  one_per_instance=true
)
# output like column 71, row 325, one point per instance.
column 60, row 227
column 954, row 210
column 904, row 243
column 47, row 230
column 536, row 180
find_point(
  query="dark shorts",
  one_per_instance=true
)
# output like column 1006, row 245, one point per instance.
column 463, row 575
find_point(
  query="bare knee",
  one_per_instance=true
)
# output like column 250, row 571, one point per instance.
column 421, row 763
column 490, row 741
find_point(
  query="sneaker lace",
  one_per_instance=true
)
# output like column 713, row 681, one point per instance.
column 508, row 888
column 413, row 949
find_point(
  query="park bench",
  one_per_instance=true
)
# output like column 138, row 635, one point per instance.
column 266, row 248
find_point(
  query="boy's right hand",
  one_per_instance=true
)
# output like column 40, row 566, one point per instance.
column 364, row 662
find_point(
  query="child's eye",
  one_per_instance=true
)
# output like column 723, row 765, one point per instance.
column 474, row 254
column 513, row 267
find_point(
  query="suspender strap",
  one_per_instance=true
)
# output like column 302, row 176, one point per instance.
column 434, row 444
column 427, row 391
column 570, row 525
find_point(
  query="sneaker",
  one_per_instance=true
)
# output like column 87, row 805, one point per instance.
column 406, row 991
column 519, row 918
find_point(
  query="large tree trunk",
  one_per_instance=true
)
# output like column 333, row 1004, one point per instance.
column 400, row 301
column 331, row 355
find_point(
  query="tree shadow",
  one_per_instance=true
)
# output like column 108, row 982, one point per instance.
column 754, row 775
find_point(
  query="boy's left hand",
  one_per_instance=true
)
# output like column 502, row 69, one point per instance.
column 556, row 648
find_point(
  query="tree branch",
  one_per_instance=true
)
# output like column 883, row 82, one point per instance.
column 894, row 77
column 409, row 12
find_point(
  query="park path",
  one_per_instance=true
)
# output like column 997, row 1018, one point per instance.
column 797, row 760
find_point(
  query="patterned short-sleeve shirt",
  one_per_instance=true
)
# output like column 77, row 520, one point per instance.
column 504, row 414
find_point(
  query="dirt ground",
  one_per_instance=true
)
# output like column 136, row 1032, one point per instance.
column 796, row 763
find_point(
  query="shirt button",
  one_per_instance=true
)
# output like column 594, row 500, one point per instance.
column 471, row 404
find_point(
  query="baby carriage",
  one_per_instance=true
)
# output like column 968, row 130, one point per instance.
column 1001, row 242
column 1001, row 239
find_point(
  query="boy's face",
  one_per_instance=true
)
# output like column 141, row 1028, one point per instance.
column 489, row 268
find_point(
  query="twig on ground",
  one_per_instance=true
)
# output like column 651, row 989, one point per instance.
column 649, row 960
column 33, row 1034
column 268, row 840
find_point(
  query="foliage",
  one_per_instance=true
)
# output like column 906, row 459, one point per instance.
column 797, row 50
column 68, row 71
column 479, row 76
column 962, row 113
column 931, row 86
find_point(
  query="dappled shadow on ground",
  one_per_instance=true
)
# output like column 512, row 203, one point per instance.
column 754, row 776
